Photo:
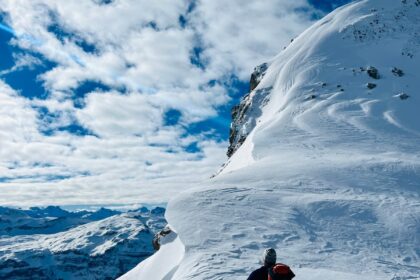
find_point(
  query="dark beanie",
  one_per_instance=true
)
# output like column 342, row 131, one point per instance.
column 269, row 256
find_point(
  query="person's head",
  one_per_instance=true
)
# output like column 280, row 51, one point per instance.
column 269, row 257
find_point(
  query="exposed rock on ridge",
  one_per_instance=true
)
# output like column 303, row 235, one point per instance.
column 244, row 114
column 157, row 238
column 257, row 76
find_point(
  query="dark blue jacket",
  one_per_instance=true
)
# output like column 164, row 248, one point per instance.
column 284, row 273
column 259, row 274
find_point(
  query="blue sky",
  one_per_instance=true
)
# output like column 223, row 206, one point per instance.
column 104, row 104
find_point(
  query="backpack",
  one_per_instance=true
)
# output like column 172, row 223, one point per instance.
column 280, row 272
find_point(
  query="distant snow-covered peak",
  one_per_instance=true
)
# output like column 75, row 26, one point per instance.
column 76, row 248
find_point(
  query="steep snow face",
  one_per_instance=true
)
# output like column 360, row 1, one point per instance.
column 321, row 92
column 320, row 85
column 163, row 264
column 329, row 172
column 103, row 249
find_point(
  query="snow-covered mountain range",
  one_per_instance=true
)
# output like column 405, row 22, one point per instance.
column 51, row 243
column 51, row 219
column 325, row 160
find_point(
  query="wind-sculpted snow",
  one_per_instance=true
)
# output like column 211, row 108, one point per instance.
column 319, row 82
column 329, row 173
column 314, row 225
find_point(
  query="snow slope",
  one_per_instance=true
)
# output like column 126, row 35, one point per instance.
column 329, row 173
column 163, row 264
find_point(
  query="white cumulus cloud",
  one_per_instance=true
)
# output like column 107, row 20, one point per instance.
column 150, row 57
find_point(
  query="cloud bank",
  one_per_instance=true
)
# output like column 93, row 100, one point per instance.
column 126, row 85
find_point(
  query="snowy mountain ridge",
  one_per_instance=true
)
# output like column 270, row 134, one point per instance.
column 379, row 25
column 75, row 245
column 51, row 219
column 327, row 169
column 356, row 37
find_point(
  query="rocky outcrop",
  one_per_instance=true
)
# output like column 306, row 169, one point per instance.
column 158, row 236
column 371, row 85
column 373, row 72
column 257, row 76
column 244, row 114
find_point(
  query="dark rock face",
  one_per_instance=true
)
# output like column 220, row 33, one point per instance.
column 245, row 113
column 371, row 85
column 257, row 76
column 156, row 239
column 238, row 115
column 373, row 72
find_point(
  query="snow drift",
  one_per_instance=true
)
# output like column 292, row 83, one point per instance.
column 326, row 168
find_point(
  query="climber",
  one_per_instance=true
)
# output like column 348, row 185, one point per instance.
column 271, row 270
